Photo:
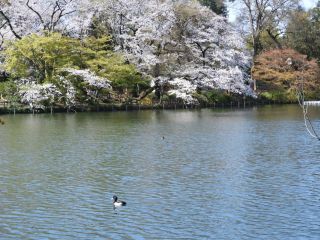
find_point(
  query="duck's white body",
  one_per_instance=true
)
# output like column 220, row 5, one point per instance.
column 118, row 204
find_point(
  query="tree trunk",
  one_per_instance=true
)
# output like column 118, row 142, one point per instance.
column 145, row 93
column 257, row 46
column 274, row 39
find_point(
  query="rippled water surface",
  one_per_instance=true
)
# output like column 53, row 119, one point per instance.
column 217, row 174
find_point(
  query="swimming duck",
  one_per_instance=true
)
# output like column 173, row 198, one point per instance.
column 118, row 203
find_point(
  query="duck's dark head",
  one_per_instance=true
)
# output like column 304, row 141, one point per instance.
column 115, row 198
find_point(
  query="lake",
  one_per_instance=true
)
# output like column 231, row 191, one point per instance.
column 217, row 174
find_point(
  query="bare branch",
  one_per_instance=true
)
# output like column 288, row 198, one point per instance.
column 60, row 9
column 10, row 25
column 2, row 39
column 55, row 10
column 36, row 12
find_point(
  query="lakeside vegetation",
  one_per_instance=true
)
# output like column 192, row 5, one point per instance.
column 97, row 53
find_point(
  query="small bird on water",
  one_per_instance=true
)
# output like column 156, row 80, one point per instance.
column 117, row 203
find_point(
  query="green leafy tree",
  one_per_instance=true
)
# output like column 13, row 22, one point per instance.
column 40, row 56
column 8, row 90
column 105, row 63
column 43, row 57
column 303, row 32
column 217, row 6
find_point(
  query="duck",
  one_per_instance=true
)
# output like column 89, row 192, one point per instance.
column 117, row 203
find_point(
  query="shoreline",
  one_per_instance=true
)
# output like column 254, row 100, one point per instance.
column 136, row 107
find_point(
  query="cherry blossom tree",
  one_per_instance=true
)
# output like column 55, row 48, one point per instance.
column 37, row 95
column 22, row 17
column 92, row 83
column 181, row 44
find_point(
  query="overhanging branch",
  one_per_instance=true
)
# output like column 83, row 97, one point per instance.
column 10, row 24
